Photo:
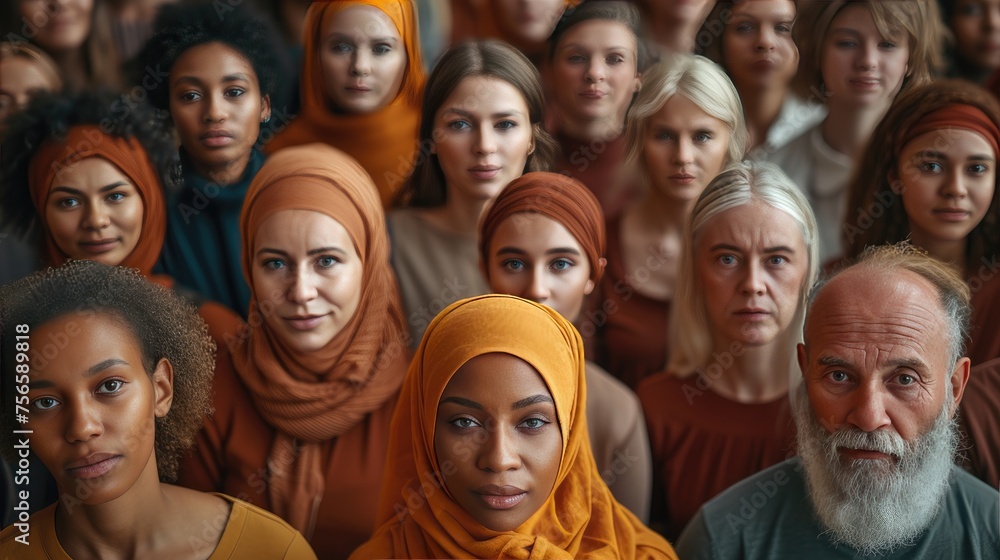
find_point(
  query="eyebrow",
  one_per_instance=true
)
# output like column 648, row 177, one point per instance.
column 467, row 114
column 775, row 249
column 91, row 371
column 911, row 363
column 527, row 401
column 105, row 188
column 612, row 48
column 309, row 252
column 553, row 251
column 941, row 155
column 239, row 76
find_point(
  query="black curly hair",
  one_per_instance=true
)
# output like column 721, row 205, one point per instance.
column 179, row 27
column 50, row 116
column 165, row 325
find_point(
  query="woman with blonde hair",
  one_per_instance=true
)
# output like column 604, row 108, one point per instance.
column 720, row 412
column 684, row 126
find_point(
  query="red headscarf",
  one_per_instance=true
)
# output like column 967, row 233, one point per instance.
column 965, row 117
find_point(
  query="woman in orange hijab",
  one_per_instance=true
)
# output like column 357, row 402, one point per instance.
column 483, row 465
column 301, row 429
column 362, row 83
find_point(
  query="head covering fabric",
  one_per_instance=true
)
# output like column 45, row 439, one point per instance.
column 965, row 117
column 128, row 155
column 384, row 141
column 555, row 196
column 580, row 519
column 312, row 398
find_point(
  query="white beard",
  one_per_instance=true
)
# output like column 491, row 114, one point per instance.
column 871, row 505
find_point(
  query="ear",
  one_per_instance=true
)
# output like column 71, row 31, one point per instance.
column 959, row 379
column 531, row 145
column 590, row 285
column 638, row 83
column 265, row 108
column 163, row 387
column 800, row 350
column 895, row 185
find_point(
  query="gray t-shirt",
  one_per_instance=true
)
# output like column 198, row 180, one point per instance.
column 769, row 516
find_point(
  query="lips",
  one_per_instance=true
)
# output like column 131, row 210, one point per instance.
column 100, row 246
column 93, row 465
column 216, row 138
column 752, row 313
column 682, row 178
column 593, row 94
column 304, row 322
column 951, row 214
column 501, row 497
column 865, row 82
column 358, row 88
column 866, row 454
column 485, row 172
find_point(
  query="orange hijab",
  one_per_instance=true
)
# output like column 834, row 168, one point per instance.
column 580, row 519
column 128, row 155
column 555, row 196
column 312, row 398
column 385, row 141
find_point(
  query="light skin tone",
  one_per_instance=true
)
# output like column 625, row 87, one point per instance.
column 20, row 78
column 593, row 78
column 876, row 356
column 684, row 148
column 760, row 57
column 305, row 268
column 482, row 138
column 674, row 23
column 363, row 60
column 217, row 107
column 92, row 411
column 535, row 257
column 947, row 180
column 751, row 263
column 976, row 25
column 94, row 212
column 528, row 24
column 497, row 424
column 61, row 28
column 862, row 73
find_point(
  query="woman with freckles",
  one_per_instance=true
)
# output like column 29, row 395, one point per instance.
column 110, row 412
column 221, row 72
column 300, row 427
column 489, row 455
column 362, row 82
column 542, row 239
column 720, row 412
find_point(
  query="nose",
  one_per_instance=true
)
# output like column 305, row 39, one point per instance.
column 82, row 422
column 954, row 186
column 538, row 289
column 766, row 39
column 361, row 63
column 868, row 411
column 595, row 70
column 499, row 453
column 215, row 108
column 487, row 142
column 685, row 151
column 753, row 279
column 303, row 286
column 867, row 58
column 96, row 217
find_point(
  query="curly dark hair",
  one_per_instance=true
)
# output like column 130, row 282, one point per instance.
column 870, row 190
column 50, row 116
column 165, row 325
column 181, row 26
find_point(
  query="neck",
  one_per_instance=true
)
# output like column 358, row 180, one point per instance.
column 848, row 128
column 606, row 129
column 759, row 374
column 461, row 214
column 675, row 35
column 664, row 214
column 761, row 107
column 952, row 252
column 223, row 174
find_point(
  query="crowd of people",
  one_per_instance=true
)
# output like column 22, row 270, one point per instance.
column 500, row 279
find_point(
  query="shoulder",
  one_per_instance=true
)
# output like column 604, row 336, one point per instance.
column 257, row 533
column 667, row 391
column 34, row 539
column 969, row 494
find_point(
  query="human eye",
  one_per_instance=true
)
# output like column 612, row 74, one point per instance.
column 561, row 265
column 970, row 9
column 326, row 261
column 615, row 59
column 340, row 48
column 513, row 265
column 846, row 43
column 744, row 27
column 110, row 386
column 534, row 423
column 978, row 168
column 274, row 264
column 381, row 48
column 116, row 197
column 189, row 96
column 887, row 45
column 234, row 92
column 68, row 202
column 906, row 380
column 576, row 59
column 838, row 376
column 930, row 167
column 777, row 260
column 44, row 403
column 464, row 423
column 459, row 125
column 727, row 260
column 783, row 28
column 702, row 137
column 664, row 135
column 506, row 125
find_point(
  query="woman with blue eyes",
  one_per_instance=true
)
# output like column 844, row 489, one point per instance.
column 934, row 181
column 362, row 81
column 220, row 75
column 855, row 57
column 543, row 240
column 684, row 126
column 720, row 412
column 481, row 129
column 109, row 414
column 301, row 423
column 489, row 455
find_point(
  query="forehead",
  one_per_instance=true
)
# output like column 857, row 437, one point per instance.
column 496, row 380
column 92, row 171
column 485, row 95
column 951, row 141
column 301, row 228
column 780, row 10
column 679, row 111
column 530, row 229
column 75, row 341
column 213, row 58
column 755, row 224
column 598, row 34
column 362, row 21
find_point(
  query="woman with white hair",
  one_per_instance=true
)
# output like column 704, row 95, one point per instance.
column 685, row 125
column 720, row 412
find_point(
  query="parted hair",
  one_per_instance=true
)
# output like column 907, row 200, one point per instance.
column 164, row 325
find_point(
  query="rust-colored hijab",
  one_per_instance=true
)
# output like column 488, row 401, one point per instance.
column 384, row 141
column 312, row 398
column 128, row 155
column 580, row 519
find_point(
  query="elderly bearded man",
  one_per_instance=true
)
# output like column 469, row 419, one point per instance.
column 883, row 375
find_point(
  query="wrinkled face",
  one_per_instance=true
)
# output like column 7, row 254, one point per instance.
column 20, row 78
column 58, row 26
column 947, row 180
column 529, row 21
column 497, row 425
column 217, row 106
column 595, row 71
column 752, row 263
column 758, row 52
column 537, row 258
column 482, row 137
column 94, row 212
column 363, row 59
column 684, row 149
column 859, row 65
column 976, row 26
column 306, row 277
column 93, row 406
